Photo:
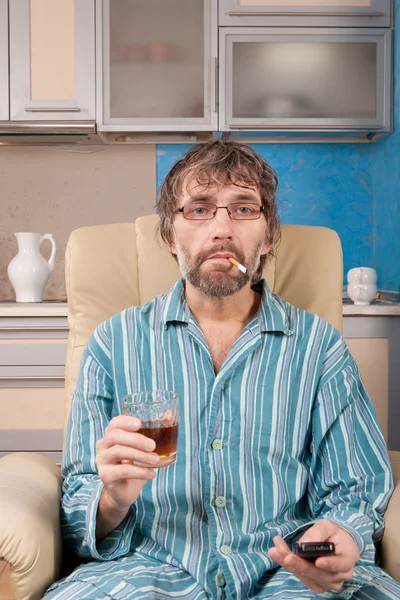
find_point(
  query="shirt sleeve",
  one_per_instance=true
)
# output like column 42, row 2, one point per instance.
column 350, row 476
column 91, row 411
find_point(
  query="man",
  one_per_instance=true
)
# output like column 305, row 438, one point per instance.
column 278, row 440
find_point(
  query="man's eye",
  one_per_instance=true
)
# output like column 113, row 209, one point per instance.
column 200, row 210
column 244, row 210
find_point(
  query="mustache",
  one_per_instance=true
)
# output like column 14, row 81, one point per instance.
column 205, row 254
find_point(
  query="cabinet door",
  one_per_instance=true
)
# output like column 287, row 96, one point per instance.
column 4, row 109
column 372, row 358
column 157, row 65
column 374, row 341
column 303, row 79
column 52, row 60
column 300, row 13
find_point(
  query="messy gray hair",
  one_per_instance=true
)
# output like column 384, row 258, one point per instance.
column 219, row 163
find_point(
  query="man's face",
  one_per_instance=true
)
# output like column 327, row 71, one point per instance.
column 203, row 247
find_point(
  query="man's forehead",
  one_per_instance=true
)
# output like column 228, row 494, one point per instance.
column 194, row 187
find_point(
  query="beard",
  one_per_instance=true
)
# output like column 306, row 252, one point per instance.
column 223, row 279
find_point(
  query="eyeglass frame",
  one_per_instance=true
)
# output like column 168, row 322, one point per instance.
column 262, row 209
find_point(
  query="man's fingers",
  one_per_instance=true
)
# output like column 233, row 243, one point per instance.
column 320, row 531
column 305, row 569
column 281, row 545
column 124, row 422
column 277, row 556
column 280, row 558
column 313, row 577
column 124, row 438
column 113, row 474
column 335, row 564
column 116, row 454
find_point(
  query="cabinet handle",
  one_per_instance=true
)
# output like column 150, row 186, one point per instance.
column 291, row 127
column 303, row 14
column 36, row 328
column 215, row 79
column 36, row 378
column 52, row 109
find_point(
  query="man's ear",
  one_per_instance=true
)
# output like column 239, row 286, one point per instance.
column 267, row 247
column 171, row 248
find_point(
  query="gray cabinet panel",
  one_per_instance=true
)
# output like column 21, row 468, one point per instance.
column 156, row 65
column 27, row 440
column 305, row 79
column 4, row 107
column 43, row 372
column 314, row 13
column 25, row 103
column 33, row 323
column 32, row 354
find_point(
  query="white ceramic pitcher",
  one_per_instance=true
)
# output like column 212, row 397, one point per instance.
column 29, row 271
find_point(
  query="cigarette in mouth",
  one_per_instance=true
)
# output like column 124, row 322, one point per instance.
column 237, row 264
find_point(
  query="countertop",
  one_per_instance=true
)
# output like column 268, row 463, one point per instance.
column 376, row 309
column 60, row 309
column 33, row 309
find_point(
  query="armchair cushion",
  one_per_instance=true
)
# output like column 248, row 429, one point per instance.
column 30, row 529
column 390, row 548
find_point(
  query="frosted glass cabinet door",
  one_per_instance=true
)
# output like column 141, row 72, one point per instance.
column 157, row 65
column 275, row 79
column 4, row 108
column 306, row 13
column 52, row 60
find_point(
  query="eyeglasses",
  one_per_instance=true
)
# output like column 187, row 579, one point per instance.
column 205, row 211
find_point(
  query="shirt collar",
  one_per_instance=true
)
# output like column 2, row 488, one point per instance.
column 272, row 314
column 176, row 308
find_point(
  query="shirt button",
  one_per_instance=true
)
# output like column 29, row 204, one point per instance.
column 226, row 550
column 217, row 444
column 220, row 580
column 220, row 502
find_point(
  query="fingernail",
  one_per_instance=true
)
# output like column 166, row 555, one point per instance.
column 150, row 444
column 154, row 458
column 322, row 564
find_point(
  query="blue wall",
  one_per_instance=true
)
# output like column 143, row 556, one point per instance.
column 352, row 188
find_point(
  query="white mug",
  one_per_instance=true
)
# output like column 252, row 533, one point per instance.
column 362, row 285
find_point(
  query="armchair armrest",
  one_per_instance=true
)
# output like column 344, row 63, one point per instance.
column 390, row 549
column 30, row 529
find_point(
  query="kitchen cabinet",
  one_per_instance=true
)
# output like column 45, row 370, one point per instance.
column 52, row 60
column 374, row 342
column 280, row 79
column 33, row 347
column 4, row 106
column 300, row 13
column 156, row 65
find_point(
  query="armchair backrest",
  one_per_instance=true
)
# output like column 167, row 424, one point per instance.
column 111, row 267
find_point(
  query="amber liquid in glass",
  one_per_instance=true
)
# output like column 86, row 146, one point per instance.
column 166, row 439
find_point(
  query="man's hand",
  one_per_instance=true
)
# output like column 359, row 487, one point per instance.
column 326, row 573
column 123, row 480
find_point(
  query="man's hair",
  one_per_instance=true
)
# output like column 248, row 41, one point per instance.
column 219, row 163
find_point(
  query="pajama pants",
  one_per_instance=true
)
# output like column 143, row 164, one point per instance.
column 133, row 578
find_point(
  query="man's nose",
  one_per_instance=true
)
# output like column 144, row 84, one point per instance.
column 222, row 225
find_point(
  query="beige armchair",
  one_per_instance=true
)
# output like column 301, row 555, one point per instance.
column 109, row 268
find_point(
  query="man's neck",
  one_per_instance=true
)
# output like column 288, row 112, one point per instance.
column 238, row 308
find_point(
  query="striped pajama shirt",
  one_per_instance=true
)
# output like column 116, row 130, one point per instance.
column 282, row 436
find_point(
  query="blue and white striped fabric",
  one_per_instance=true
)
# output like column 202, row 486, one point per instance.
column 285, row 433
